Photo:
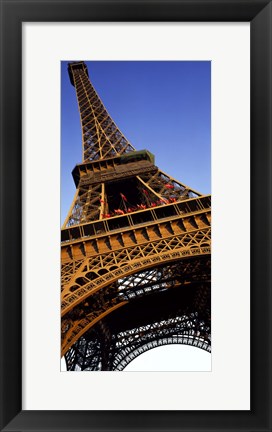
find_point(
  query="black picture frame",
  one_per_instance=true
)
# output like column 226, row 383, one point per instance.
column 13, row 14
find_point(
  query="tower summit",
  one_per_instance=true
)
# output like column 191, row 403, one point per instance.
column 135, row 249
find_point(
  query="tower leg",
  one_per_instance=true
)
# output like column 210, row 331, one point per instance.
column 106, row 345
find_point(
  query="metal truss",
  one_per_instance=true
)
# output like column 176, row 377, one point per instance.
column 185, row 330
column 92, row 201
column 101, row 137
column 85, row 206
column 190, row 271
column 101, row 270
column 87, row 352
column 166, row 187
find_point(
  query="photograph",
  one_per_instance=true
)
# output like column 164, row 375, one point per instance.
column 136, row 215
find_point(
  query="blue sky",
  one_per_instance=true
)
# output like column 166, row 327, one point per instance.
column 161, row 106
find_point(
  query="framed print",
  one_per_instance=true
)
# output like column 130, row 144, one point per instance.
column 36, row 38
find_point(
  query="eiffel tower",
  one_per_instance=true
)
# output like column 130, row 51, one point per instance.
column 135, row 250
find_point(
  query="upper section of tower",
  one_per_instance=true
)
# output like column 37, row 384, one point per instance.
column 101, row 138
column 72, row 67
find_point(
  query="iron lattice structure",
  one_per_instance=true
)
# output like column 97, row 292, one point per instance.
column 135, row 251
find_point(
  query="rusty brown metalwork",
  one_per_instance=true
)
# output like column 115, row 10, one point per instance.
column 133, row 234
